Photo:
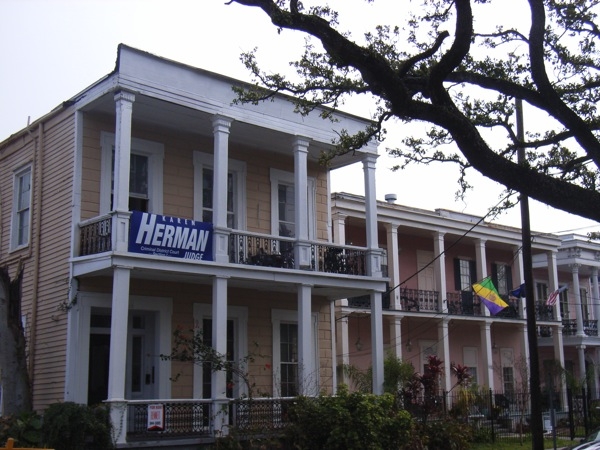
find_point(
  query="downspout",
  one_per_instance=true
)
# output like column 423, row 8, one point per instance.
column 37, row 163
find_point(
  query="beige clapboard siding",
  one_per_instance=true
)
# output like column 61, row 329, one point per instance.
column 55, row 245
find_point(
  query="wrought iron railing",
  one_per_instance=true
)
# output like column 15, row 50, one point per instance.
column 260, row 415
column 590, row 327
column 337, row 259
column 419, row 300
column 463, row 303
column 544, row 312
column 181, row 418
column 569, row 327
column 261, row 250
column 95, row 236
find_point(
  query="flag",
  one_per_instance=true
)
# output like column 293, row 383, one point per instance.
column 518, row 292
column 489, row 296
column 552, row 297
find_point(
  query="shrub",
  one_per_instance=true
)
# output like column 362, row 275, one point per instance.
column 70, row 426
column 349, row 421
column 25, row 429
column 447, row 434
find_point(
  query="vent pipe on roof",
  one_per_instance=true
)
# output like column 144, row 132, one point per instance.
column 391, row 198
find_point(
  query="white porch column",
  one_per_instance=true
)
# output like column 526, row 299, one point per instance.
column 486, row 347
column 577, row 294
column 524, row 343
column 595, row 294
column 302, row 248
column 339, row 237
column 373, row 252
column 124, row 113
column 219, row 344
column 377, row 342
column 118, row 351
column 553, row 280
column 308, row 384
column 396, row 336
column 343, row 346
column 444, row 339
column 581, row 361
column 393, row 256
column 559, row 354
column 221, row 128
column 481, row 265
column 440, row 270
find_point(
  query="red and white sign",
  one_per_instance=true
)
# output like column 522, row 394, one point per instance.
column 156, row 417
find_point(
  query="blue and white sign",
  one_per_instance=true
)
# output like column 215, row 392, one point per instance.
column 153, row 234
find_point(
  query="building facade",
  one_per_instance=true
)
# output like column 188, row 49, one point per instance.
column 151, row 204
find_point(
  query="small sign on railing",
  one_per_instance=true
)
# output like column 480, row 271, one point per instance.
column 156, row 417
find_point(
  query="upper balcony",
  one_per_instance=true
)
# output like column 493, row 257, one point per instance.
column 190, row 240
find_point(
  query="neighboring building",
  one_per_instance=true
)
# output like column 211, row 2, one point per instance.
column 433, row 258
column 151, row 202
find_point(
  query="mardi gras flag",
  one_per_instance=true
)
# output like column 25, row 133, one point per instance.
column 489, row 296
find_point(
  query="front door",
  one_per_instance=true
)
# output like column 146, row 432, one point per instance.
column 142, row 356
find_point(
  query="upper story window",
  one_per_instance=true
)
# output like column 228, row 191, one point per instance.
column 283, row 204
column 204, row 186
column 464, row 274
column 502, row 279
column 145, row 175
column 21, row 214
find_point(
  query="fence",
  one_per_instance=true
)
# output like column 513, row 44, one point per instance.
column 498, row 416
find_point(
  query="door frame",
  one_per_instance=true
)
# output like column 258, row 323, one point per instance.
column 78, row 340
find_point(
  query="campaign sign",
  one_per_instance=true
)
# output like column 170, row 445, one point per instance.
column 154, row 234
column 156, row 417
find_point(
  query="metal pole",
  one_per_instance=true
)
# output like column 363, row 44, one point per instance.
column 537, row 432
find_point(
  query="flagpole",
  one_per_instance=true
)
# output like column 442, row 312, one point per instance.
column 534, row 364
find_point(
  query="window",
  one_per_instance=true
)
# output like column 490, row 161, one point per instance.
column 470, row 359
column 464, row 277
column 502, row 279
column 283, row 204
column 21, row 218
column 145, row 175
column 285, row 355
column 508, row 381
column 583, row 295
column 541, row 292
column 203, row 190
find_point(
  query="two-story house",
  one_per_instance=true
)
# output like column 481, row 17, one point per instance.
column 432, row 260
column 151, row 202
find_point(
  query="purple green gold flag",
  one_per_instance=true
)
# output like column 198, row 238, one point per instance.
column 488, row 294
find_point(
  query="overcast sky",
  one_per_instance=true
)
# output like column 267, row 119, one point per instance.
column 52, row 49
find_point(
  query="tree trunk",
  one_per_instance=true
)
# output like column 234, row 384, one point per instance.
column 14, row 377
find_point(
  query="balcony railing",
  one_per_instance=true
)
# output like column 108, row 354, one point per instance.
column 418, row 300
column 463, row 303
column 95, row 236
column 590, row 327
column 544, row 312
column 569, row 327
column 337, row 259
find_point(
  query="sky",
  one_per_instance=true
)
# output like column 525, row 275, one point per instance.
column 52, row 49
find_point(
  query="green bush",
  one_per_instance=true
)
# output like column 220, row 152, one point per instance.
column 447, row 434
column 25, row 429
column 348, row 421
column 70, row 426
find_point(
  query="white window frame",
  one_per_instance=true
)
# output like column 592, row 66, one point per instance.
column 427, row 348
column 471, row 360
column 238, row 169
column 154, row 151
column 282, row 177
column 279, row 316
column 16, row 213
column 239, row 315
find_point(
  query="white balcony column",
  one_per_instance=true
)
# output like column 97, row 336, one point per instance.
column 393, row 262
column 343, row 348
column 444, row 339
column 487, row 356
column 559, row 355
column 339, row 238
column 302, row 254
column 440, row 270
column 219, row 344
column 481, row 266
column 118, row 351
column 577, row 299
column 308, row 384
column 221, row 129
column 377, row 342
column 519, row 275
column 595, row 294
column 524, row 343
column 122, row 162
column 553, row 281
column 374, row 254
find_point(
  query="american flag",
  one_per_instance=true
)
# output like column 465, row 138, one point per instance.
column 552, row 298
